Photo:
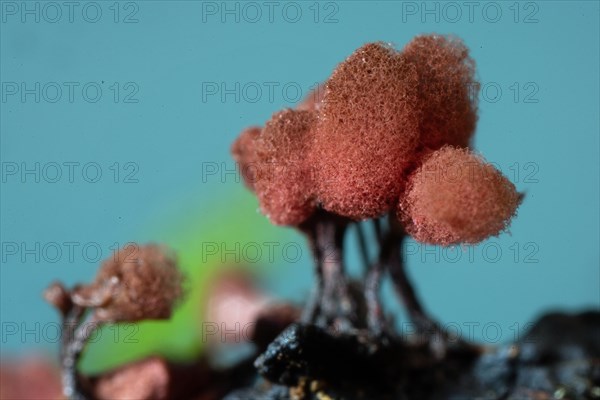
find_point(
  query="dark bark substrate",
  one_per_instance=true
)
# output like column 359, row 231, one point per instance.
column 558, row 358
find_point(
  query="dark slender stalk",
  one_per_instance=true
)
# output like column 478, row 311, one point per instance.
column 426, row 326
column 375, row 318
column 76, row 334
column 348, row 304
column 313, row 306
column 331, row 299
column 390, row 255
column 378, row 229
column 404, row 288
column 403, row 285
column 330, row 234
column 332, row 303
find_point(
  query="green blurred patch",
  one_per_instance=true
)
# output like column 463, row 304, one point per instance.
column 232, row 221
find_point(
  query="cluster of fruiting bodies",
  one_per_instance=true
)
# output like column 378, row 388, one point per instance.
column 387, row 135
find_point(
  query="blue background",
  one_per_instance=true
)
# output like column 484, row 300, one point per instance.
column 538, row 121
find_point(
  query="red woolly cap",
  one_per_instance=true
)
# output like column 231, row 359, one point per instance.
column 367, row 132
column 447, row 89
column 456, row 197
column 284, row 184
column 244, row 154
